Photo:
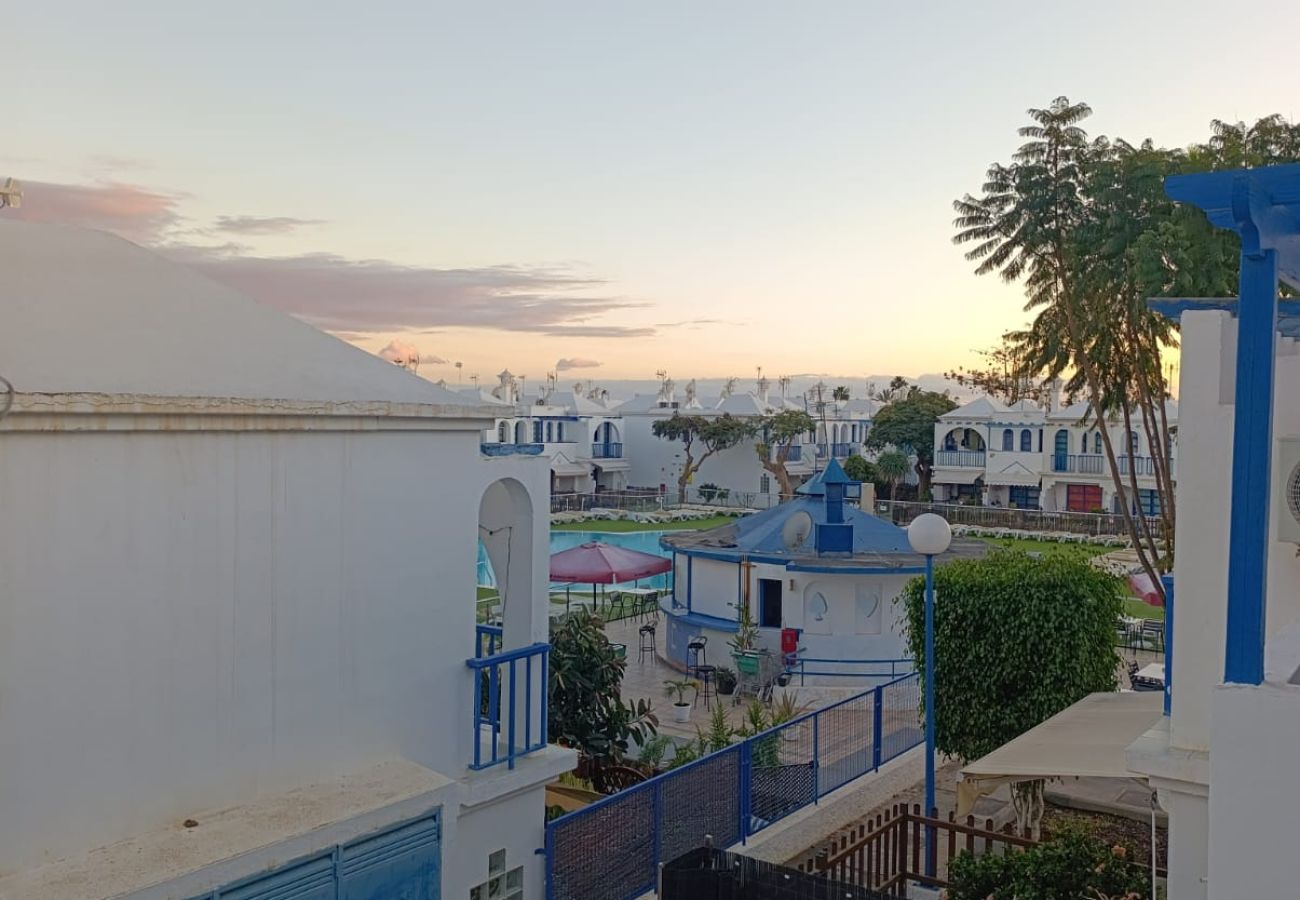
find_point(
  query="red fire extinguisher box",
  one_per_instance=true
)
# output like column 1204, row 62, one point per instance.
column 789, row 640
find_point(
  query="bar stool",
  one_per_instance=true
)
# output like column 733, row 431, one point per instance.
column 704, row 675
column 647, row 633
column 696, row 654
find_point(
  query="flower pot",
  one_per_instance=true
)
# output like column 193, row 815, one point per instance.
column 681, row 712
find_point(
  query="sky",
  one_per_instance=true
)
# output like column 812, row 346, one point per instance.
column 606, row 189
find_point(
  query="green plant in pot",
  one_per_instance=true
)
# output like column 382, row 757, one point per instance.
column 681, row 706
column 725, row 679
column 745, row 642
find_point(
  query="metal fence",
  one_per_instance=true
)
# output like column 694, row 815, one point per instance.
column 611, row 850
column 903, row 512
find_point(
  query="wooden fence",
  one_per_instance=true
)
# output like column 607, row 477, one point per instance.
column 885, row 853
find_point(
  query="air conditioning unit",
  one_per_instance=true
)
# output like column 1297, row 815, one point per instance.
column 1288, row 505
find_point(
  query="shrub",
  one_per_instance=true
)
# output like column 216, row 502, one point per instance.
column 587, row 711
column 1072, row 864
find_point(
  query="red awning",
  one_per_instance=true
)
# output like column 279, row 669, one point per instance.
column 597, row 563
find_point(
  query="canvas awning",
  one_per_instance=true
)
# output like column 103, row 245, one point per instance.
column 1015, row 477
column 1087, row 739
column 562, row 466
column 612, row 465
column 957, row 476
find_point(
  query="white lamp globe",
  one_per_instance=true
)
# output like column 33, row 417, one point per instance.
column 929, row 534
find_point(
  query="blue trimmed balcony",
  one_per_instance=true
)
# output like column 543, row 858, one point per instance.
column 841, row 450
column 510, row 698
column 960, row 459
column 510, row 449
column 611, row 450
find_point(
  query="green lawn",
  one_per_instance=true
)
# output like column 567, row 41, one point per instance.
column 1031, row 546
column 486, row 592
column 627, row 525
column 1140, row 610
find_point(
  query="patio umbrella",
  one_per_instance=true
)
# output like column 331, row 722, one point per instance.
column 1140, row 584
column 596, row 563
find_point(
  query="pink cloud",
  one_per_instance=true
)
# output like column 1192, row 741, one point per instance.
column 576, row 362
column 338, row 293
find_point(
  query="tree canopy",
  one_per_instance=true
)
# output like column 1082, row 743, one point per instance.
column 907, row 424
column 1085, row 226
column 777, row 434
column 700, row 437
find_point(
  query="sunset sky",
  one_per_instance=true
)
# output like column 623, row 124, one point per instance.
column 702, row 187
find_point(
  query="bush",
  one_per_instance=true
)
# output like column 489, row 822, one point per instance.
column 725, row 679
column 587, row 711
column 1073, row 864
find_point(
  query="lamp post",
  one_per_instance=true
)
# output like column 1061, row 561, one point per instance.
column 929, row 534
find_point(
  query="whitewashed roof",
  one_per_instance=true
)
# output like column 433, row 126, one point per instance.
column 979, row 408
column 86, row 312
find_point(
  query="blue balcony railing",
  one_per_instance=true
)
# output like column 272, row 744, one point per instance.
column 960, row 458
column 1139, row 465
column 607, row 451
column 510, row 693
column 501, row 449
column 1091, row 464
column 794, row 453
column 840, row 451
column 821, row 449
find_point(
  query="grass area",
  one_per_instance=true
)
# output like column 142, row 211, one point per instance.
column 1032, row 546
column 1140, row 610
column 485, row 592
column 623, row 525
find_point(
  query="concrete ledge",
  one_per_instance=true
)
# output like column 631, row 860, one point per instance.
column 490, row 785
column 233, row 843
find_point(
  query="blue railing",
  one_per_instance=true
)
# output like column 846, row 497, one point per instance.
column 1169, row 640
column 1141, row 465
column 500, row 717
column 611, row 849
column 841, row 450
column 960, row 458
column 821, row 449
column 503, row 449
column 607, row 451
column 487, row 638
column 813, row 667
column 1084, row 465
column 794, row 453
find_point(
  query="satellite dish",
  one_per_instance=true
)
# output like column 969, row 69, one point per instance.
column 796, row 530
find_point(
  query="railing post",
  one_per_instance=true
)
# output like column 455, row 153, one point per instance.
column 746, row 775
column 1169, row 641
column 510, row 729
column 816, row 759
column 877, row 736
column 657, row 822
column 476, row 716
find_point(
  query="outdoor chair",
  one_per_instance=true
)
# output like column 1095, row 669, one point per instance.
column 704, row 678
column 696, row 653
column 1154, row 631
column 1146, row 684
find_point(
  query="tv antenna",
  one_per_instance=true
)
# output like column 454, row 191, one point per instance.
column 11, row 194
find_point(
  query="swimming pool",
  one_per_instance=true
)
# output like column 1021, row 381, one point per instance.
column 644, row 541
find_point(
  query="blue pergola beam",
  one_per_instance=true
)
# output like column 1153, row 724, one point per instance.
column 1263, row 207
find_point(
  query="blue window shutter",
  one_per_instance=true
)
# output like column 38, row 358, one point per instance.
column 309, row 880
column 402, row 864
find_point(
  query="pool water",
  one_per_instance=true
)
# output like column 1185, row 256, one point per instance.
column 644, row 541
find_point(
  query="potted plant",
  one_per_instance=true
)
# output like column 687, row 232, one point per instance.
column 745, row 642
column 681, row 707
column 725, row 680
column 783, row 710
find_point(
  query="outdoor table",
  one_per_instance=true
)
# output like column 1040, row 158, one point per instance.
column 642, row 597
column 1154, row 671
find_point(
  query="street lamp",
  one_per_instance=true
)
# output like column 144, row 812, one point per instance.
column 929, row 534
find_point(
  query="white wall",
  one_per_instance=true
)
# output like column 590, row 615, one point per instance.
column 516, row 825
column 655, row 461
column 714, row 585
column 838, row 636
column 189, row 619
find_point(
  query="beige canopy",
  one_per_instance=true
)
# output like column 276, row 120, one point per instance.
column 1087, row 739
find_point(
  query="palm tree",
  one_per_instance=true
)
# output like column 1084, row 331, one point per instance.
column 892, row 467
column 840, row 393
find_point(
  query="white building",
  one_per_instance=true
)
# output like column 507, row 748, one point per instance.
column 815, row 565
column 237, row 569
column 990, row 453
column 575, row 430
column 841, row 429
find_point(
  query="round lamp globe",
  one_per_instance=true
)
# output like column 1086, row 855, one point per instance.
column 929, row 534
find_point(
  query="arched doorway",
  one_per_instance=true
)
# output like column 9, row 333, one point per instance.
column 506, row 532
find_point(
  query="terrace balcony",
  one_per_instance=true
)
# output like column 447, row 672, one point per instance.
column 960, row 459
column 611, row 450
column 841, row 450
column 510, row 694
column 502, row 449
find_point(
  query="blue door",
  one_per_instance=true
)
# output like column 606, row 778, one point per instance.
column 403, row 863
column 1061, row 457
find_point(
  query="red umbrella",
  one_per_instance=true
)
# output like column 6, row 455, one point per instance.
column 1141, row 585
column 597, row 563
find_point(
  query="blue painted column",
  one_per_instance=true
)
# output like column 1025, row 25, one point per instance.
column 929, row 714
column 1252, row 451
column 1168, row 581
